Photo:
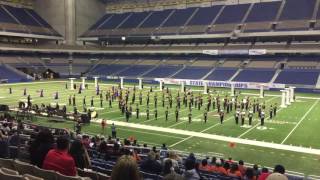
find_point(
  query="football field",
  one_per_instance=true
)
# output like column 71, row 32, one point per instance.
column 290, row 138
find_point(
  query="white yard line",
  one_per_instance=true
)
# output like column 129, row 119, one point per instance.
column 305, row 115
column 217, row 137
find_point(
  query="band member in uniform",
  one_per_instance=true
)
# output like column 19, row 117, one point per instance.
column 262, row 118
column 236, row 116
column 66, row 85
column 275, row 110
column 91, row 103
column 127, row 115
column 74, row 100
column 113, row 131
column 189, row 116
column 41, row 93
column 103, row 126
column 69, row 100
column 101, row 102
column 137, row 112
column 243, row 115
column 156, row 114
column 147, row 113
column 24, row 91
column 140, row 98
column 84, row 101
column 250, row 116
column 221, row 116
column 167, row 113
column 177, row 114
column 110, row 103
column 205, row 116
column 56, row 96
column 10, row 90
column 271, row 112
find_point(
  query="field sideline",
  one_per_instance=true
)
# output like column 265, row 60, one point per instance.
column 296, row 125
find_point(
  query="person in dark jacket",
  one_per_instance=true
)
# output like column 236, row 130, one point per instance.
column 150, row 165
column 40, row 147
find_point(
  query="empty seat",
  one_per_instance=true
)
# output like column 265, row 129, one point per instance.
column 6, row 176
column 91, row 174
column 9, row 171
column 45, row 174
column 6, row 163
column 23, row 168
column 30, row 177
column 63, row 177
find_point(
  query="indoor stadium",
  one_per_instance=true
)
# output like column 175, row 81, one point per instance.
column 159, row 89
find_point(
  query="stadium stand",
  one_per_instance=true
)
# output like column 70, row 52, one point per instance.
column 255, row 75
column 222, row 74
column 22, row 20
column 261, row 16
column 306, row 77
column 296, row 15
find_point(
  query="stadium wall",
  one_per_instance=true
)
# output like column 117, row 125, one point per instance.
column 87, row 13
column 53, row 12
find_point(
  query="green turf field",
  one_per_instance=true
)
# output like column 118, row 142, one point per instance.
column 296, row 125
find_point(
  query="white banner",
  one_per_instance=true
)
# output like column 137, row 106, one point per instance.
column 239, row 85
column 255, row 52
column 210, row 52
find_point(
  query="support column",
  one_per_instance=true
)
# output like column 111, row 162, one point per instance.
column 140, row 83
column 83, row 82
column 121, row 82
column 205, row 87
column 71, row 83
column 96, row 81
column 160, row 84
column 292, row 93
column 261, row 91
column 232, row 89
column 283, row 99
column 288, row 96
column 182, row 86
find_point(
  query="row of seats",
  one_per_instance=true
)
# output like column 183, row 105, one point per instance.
column 255, row 17
column 18, row 170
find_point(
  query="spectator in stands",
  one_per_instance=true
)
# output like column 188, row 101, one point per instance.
column 204, row 166
column 192, row 157
column 164, row 147
column 125, row 168
column 278, row 173
column 190, row 172
column 150, row 165
column 249, row 174
column 279, row 169
column 242, row 168
column 234, row 171
column 14, row 138
column 213, row 161
column 3, row 145
column 172, row 156
column 277, row 176
column 264, row 174
column 79, row 154
column 40, row 147
column 256, row 170
column 219, row 168
column 167, row 167
column 59, row 159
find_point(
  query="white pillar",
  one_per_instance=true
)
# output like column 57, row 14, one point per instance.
column 288, row 96
column 182, row 86
column 121, row 82
column 96, row 81
column 292, row 93
column 261, row 91
column 160, row 84
column 140, row 83
column 232, row 89
column 205, row 87
column 283, row 99
column 83, row 82
column 71, row 83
